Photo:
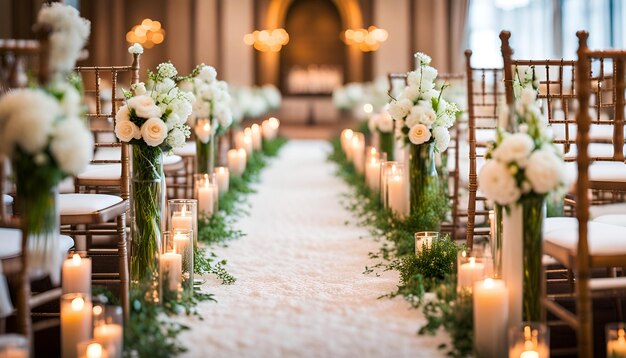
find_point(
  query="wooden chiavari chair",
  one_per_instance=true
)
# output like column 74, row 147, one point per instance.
column 589, row 245
column 485, row 95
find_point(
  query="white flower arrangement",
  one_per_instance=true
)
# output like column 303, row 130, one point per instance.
column 421, row 113
column 212, row 99
column 272, row 96
column 381, row 121
column 526, row 162
column 135, row 49
column 155, row 116
column 69, row 32
column 50, row 134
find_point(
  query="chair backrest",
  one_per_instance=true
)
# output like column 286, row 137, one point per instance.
column 102, row 118
column 17, row 59
column 485, row 96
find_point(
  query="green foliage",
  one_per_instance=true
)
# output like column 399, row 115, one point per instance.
column 272, row 147
column 209, row 263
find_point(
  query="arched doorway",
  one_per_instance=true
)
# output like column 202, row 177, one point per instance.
column 313, row 61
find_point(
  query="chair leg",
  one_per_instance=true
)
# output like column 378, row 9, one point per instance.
column 585, row 316
column 122, row 249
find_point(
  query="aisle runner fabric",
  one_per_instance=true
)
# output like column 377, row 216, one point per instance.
column 300, row 290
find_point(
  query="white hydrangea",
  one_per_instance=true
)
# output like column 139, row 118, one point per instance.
column 544, row 170
column 138, row 89
column 497, row 183
column 207, row 73
column 176, row 138
column 135, row 49
column 71, row 145
column 400, row 108
column 442, row 138
column 422, row 59
column 515, row 148
column 144, row 106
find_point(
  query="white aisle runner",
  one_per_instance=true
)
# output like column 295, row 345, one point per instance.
column 300, row 290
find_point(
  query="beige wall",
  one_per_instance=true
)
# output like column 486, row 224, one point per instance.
column 237, row 57
column 394, row 54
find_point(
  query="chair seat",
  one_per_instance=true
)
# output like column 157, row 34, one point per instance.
column 558, row 223
column 595, row 150
column 612, row 219
column 101, row 172
column 11, row 246
column 485, row 135
column 597, row 132
column 607, row 209
column 604, row 240
column 80, row 204
column 7, row 199
column 188, row 150
column 605, row 171
column 114, row 154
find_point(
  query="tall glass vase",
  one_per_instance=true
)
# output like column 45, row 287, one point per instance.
column 522, row 252
column 387, row 144
column 147, row 203
column 427, row 198
column 37, row 204
column 205, row 145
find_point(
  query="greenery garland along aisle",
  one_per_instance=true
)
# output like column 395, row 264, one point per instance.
column 431, row 271
column 150, row 332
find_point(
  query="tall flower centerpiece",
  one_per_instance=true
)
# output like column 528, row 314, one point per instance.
column 43, row 133
column 521, row 169
column 153, row 122
column 382, row 123
column 423, row 119
column 211, row 113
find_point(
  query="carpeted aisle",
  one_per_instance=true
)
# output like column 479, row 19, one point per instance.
column 300, row 289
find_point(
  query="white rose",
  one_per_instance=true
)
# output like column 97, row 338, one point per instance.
column 385, row 122
column 428, row 117
column 419, row 134
column 72, row 145
column 144, row 106
column 497, row 183
column 154, row 132
column 515, row 148
column 544, row 170
column 411, row 93
column 528, row 96
column 126, row 130
column 414, row 115
column 429, row 74
column 422, row 58
column 123, row 114
column 442, row 138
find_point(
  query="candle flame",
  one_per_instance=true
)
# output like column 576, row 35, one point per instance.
column 527, row 333
column 94, row 350
column 472, row 261
column 97, row 310
column 78, row 303
column 488, row 283
column 76, row 259
column 221, row 170
column 373, row 151
column 621, row 335
column 393, row 169
column 242, row 152
column 274, row 122
column 348, row 133
column 207, row 127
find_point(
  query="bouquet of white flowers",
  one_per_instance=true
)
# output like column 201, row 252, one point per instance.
column 155, row 117
column 421, row 113
column 381, row 122
column 526, row 162
column 212, row 99
column 272, row 96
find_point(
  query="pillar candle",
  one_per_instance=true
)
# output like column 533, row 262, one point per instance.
column 236, row 161
column 490, row 318
column 75, row 322
column 469, row 273
column 242, row 159
column 223, row 177
column 172, row 266
column 202, row 129
column 246, row 142
column 183, row 219
column 77, row 275
column 110, row 335
column 256, row 136
column 181, row 242
column 358, row 154
column 93, row 350
column 395, row 193
column 372, row 174
column 346, row 137
column 617, row 347
column 205, row 200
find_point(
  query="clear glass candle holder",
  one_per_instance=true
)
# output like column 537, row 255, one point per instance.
column 108, row 328
column 394, row 188
column 92, row 349
column 357, row 148
column 346, row 137
column 206, row 192
column 13, row 345
column 529, row 340
column 616, row 340
column 170, row 270
column 76, row 322
column 237, row 160
column 182, row 243
column 183, row 214
column 424, row 240
column 470, row 269
column 222, row 177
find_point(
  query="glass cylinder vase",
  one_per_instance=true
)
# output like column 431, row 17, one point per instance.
column 205, row 145
column 427, row 199
column 386, row 144
column 147, row 202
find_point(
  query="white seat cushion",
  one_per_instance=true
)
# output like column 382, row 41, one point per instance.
column 7, row 199
column 558, row 223
column 600, row 171
column 604, row 239
column 101, row 172
column 595, row 150
column 67, row 185
column 597, row 132
column 607, row 209
column 77, row 204
column 171, row 160
column 107, row 153
column 189, row 149
column 485, row 135
column 11, row 243
column 612, row 219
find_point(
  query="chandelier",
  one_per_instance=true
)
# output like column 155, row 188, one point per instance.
column 149, row 33
column 365, row 39
column 267, row 40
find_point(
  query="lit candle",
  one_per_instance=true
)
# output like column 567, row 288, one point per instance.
column 256, row 136
column 395, row 193
column 372, row 174
column 246, row 141
column 76, row 275
column 357, row 147
column 171, row 267
column 236, row 161
column 111, row 335
column 94, row 350
column 469, row 273
column 424, row 239
column 269, row 128
column 206, row 199
column 346, row 137
column 223, row 177
column 202, row 129
column 14, row 352
column 75, row 322
column 617, row 347
column 182, row 219
column 490, row 317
